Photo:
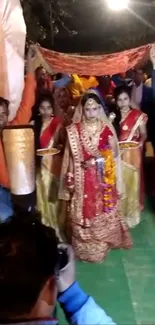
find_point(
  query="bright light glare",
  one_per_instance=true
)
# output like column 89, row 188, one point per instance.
column 118, row 4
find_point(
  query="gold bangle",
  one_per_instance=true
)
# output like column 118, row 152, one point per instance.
column 69, row 174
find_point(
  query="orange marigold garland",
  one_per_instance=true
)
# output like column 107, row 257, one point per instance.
column 109, row 179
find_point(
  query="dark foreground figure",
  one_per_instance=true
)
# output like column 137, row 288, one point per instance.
column 35, row 272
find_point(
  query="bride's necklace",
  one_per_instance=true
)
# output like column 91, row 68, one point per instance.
column 93, row 131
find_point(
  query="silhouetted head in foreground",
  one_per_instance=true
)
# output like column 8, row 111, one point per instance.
column 28, row 267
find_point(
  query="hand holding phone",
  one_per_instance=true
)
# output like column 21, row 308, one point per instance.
column 67, row 270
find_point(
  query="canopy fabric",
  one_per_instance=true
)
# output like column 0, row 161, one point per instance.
column 93, row 65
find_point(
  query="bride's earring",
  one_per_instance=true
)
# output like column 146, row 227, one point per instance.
column 83, row 118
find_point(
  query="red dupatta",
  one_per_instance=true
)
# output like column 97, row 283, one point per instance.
column 49, row 132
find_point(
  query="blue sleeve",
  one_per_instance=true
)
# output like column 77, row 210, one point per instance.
column 63, row 82
column 117, row 80
column 80, row 309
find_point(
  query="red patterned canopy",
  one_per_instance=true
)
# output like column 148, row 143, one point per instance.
column 93, row 65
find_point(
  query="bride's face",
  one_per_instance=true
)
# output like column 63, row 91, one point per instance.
column 91, row 112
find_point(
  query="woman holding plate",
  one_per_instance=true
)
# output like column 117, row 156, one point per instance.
column 88, row 183
column 132, row 135
column 48, row 135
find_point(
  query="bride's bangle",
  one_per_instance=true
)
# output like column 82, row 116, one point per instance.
column 70, row 180
column 93, row 162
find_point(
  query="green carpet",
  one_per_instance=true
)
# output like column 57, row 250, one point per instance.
column 124, row 285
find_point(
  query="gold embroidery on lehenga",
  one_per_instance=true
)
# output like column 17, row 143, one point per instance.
column 87, row 143
column 76, row 146
column 77, row 200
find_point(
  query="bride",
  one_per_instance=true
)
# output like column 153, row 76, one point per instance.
column 88, row 183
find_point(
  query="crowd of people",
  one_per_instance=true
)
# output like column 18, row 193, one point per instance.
column 90, row 192
column 71, row 176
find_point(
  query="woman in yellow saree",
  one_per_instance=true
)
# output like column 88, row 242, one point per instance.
column 47, row 133
column 88, row 183
column 132, row 136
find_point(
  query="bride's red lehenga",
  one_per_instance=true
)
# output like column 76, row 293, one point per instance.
column 93, row 231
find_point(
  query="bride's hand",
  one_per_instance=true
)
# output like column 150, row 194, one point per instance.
column 88, row 163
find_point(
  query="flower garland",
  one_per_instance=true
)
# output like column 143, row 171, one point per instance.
column 109, row 179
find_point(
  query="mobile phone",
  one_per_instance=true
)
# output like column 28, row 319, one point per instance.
column 63, row 258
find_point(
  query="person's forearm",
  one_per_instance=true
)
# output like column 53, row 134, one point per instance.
column 81, row 309
column 25, row 110
column 72, row 299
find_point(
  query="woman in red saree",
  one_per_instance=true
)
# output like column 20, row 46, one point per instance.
column 47, row 133
column 96, row 224
column 132, row 130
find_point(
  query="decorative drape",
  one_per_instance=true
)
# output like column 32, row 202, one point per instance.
column 93, row 65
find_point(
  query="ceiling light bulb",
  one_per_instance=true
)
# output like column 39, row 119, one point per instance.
column 118, row 4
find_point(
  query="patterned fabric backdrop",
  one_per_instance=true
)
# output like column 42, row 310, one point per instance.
column 93, row 65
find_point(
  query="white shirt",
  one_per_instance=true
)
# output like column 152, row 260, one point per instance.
column 13, row 30
column 136, row 96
